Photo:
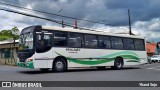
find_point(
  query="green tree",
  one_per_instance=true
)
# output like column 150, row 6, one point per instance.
column 6, row 34
column 15, row 33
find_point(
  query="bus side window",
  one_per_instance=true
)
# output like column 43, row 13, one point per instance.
column 139, row 44
column 75, row 40
column 60, row 38
column 91, row 41
column 117, row 43
column 104, row 42
column 128, row 44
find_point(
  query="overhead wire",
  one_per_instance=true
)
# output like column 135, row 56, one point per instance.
column 53, row 14
column 59, row 22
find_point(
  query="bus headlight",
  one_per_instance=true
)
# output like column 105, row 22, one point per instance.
column 30, row 59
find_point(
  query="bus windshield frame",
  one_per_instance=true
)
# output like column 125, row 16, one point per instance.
column 26, row 41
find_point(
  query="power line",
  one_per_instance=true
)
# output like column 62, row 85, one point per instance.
column 59, row 22
column 52, row 14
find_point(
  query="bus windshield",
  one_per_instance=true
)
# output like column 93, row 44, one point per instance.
column 26, row 41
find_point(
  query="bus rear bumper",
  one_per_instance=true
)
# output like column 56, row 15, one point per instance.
column 25, row 64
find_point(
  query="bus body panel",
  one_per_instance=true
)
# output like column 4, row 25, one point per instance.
column 92, row 56
column 42, row 59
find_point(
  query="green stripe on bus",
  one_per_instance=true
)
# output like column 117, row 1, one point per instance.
column 89, row 62
column 109, row 58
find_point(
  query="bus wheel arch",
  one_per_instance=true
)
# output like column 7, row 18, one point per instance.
column 60, row 64
column 118, row 63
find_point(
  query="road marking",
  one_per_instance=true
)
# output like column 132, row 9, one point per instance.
column 148, row 65
column 156, row 69
column 156, row 64
column 153, row 67
column 4, row 69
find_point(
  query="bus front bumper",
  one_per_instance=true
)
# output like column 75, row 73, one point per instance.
column 25, row 64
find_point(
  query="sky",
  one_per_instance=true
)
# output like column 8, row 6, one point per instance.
column 145, row 14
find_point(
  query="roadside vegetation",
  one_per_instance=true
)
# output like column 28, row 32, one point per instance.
column 6, row 34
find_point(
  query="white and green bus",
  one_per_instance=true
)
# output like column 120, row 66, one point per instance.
column 59, row 49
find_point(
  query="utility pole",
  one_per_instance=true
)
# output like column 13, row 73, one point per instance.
column 129, row 18
column 75, row 24
column 62, row 24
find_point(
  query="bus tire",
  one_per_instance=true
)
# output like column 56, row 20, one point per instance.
column 59, row 65
column 101, row 67
column 44, row 69
column 118, row 64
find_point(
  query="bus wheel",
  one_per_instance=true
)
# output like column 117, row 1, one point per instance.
column 59, row 65
column 44, row 69
column 118, row 64
column 101, row 67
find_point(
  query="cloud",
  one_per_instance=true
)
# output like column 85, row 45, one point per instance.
column 145, row 15
column 150, row 29
column 152, row 25
column 108, row 11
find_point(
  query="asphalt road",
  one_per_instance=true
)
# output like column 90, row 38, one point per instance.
column 148, row 72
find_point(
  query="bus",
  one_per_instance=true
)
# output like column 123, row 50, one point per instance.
column 59, row 49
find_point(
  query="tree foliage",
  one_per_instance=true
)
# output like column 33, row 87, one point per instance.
column 6, row 34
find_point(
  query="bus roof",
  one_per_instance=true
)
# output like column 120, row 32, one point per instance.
column 90, row 32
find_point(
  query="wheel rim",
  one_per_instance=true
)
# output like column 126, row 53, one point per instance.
column 118, row 63
column 59, row 65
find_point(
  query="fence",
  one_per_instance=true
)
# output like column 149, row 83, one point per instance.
column 8, row 54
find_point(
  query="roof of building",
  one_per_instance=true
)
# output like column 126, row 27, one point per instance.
column 151, row 47
column 7, row 42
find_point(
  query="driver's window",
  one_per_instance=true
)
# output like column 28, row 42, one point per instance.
column 47, row 39
column 40, row 41
column 43, row 42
